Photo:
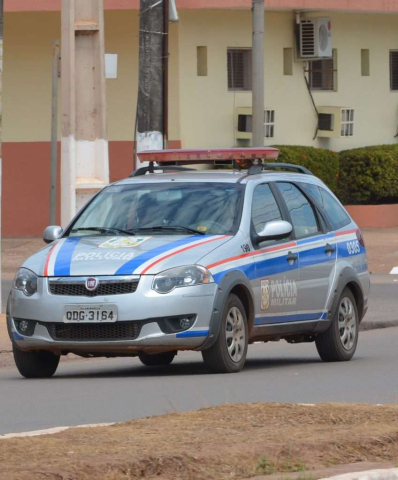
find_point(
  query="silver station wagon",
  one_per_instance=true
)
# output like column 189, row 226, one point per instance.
column 175, row 258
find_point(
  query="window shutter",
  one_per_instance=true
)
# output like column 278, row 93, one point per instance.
column 394, row 70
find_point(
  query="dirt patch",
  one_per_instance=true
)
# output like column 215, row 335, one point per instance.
column 227, row 442
column 382, row 249
column 15, row 251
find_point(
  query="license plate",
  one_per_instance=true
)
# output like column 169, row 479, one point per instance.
column 90, row 313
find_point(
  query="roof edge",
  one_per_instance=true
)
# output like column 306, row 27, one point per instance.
column 359, row 6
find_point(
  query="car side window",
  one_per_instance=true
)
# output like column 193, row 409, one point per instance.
column 301, row 211
column 264, row 209
column 333, row 211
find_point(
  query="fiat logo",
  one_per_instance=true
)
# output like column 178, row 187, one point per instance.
column 91, row 284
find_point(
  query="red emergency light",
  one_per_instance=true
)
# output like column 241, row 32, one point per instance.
column 209, row 155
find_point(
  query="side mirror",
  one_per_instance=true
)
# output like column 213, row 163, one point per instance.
column 275, row 230
column 52, row 233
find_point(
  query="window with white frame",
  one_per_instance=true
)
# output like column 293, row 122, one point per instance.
column 269, row 123
column 347, row 122
column 394, row 70
column 239, row 69
column 322, row 74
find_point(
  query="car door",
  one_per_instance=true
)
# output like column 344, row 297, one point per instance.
column 276, row 264
column 316, row 249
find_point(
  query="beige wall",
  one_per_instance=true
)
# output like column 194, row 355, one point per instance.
column 27, row 75
column 201, row 108
column 213, row 106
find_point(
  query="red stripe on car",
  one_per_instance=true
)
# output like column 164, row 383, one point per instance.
column 182, row 250
column 251, row 254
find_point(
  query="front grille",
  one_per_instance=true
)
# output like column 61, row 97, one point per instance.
column 94, row 332
column 80, row 290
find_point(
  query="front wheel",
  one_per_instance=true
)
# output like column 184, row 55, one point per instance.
column 339, row 342
column 158, row 359
column 35, row 364
column 228, row 354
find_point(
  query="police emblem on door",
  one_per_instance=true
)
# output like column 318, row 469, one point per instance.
column 91, row 284
column 265, row 294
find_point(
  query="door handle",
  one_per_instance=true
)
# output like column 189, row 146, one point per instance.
column 292, row 257
column 329, row 248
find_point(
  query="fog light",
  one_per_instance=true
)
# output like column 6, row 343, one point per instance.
column 186, row 322
column 24, row 326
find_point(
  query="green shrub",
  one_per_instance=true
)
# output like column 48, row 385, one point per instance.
column 323, row 163
column 369, row 175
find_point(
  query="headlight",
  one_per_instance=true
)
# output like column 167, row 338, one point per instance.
column 167, row 281
column 26, row 281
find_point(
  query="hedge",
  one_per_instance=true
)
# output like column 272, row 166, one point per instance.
column 369, row 175
column 322, row 163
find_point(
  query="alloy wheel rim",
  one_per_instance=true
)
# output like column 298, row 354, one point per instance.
column 235, row 334
column 347, row 323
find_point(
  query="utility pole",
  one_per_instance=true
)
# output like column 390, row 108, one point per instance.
column 1, row 129
column 258, row 11
column 54, row 132
column 84, row 144
column 151, row 65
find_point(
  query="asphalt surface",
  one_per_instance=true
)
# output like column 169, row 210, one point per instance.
column 94, row 391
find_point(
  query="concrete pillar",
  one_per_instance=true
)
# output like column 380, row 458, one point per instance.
column 84, row 149
column 258, row 72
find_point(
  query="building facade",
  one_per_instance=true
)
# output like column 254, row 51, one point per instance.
column 210, row 85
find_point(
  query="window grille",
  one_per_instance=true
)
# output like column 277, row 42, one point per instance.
column 239, row 69
column 347, row 122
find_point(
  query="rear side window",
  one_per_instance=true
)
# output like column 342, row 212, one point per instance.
column 332, row 209
column 301, row 212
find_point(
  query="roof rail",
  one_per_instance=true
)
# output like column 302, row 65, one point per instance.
column 257, row 169
column 165, row 169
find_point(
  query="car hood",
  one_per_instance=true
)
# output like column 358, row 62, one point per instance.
column 122, row 255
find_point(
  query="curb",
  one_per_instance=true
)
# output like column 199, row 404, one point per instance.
column 389, row 474
column 51, row 431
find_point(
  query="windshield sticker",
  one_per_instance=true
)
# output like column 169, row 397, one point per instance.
column 124, row 242
column 202, row 228
column 114, row 189
column 83, row 257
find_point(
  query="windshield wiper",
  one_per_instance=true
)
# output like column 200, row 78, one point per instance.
column 102, row 230
column 169, row 228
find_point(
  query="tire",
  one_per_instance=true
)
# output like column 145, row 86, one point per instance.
column 228, row 354
column 339, row 342
column 158, row 359
column 35, row 364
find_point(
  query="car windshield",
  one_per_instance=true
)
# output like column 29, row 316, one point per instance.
column 163, row 209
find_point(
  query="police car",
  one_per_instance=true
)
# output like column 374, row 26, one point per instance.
column 175, row 258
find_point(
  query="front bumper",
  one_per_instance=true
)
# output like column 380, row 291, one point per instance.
column 144, row 306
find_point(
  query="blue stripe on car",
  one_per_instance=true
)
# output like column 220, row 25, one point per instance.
column 290, row 318
column 194, row 333
column 129, row 267
column 64, row 257
column 273, row 266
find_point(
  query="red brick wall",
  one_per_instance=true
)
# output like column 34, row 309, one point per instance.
column 26, row 183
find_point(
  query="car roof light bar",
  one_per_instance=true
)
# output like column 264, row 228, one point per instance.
column 208, row 155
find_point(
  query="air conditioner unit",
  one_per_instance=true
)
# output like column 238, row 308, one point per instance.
column 315, row 38
column 335, row 122
column 244, row 123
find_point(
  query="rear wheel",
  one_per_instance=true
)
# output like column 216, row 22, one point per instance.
column 339, row 342
column 228, row 354
column 158, row 359
column 35, row 364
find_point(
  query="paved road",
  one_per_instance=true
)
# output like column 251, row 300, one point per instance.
column 94, row 391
